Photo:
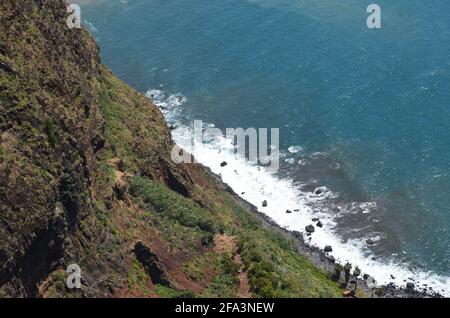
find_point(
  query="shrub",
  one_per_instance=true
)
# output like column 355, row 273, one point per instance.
column 171, row 204
column 50, row 131
column 208, row 239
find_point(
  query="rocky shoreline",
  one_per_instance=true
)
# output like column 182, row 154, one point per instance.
column 322, row 260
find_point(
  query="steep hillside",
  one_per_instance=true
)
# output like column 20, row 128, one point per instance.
column 86, row 178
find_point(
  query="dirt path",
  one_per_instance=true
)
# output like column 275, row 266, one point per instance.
column 114, row 162
column 227, row 244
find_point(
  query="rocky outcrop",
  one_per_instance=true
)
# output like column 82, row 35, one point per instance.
column 152, row 264
column 49, row 124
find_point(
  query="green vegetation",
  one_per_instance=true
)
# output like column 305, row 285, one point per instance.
column 274, row 267
column 226, row 282
column 347, row 271
column 171, row 205
column 3, row 294
column 138, row 276
column 50, row 131
column 167, row 292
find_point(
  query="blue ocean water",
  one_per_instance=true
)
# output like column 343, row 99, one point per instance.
column 369, row 109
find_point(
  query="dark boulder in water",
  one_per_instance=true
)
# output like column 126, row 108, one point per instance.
column 310, row 228
column 328, row 248
column 223, row 164
column 315, row 219
column 264, row 203
column 370, row 242
column 319, row 224
column 288, row 211
column 410, row 286
column 318, row 191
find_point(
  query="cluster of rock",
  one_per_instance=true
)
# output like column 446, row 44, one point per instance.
column 350, row 280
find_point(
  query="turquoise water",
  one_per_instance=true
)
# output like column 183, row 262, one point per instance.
column 373, row 103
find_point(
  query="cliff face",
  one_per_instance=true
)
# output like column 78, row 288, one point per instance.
column 86, row 178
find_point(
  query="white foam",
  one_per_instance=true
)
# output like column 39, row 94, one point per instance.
column 255, row 184
column 156, row 95
column 290, row 160
column 295, row 149
column 90, row 26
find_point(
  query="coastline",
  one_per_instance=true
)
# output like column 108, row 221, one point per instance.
column 409, row 286
column 319, row 258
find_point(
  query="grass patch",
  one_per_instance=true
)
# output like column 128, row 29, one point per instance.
column 137, row 276
column 171, row 205
column 167, row 292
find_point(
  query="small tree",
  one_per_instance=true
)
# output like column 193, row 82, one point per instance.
column 337, row 272
column 372, row 284
column 347, row 270
column 356, row 273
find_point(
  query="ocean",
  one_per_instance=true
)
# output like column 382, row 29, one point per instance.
column 363, row 114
